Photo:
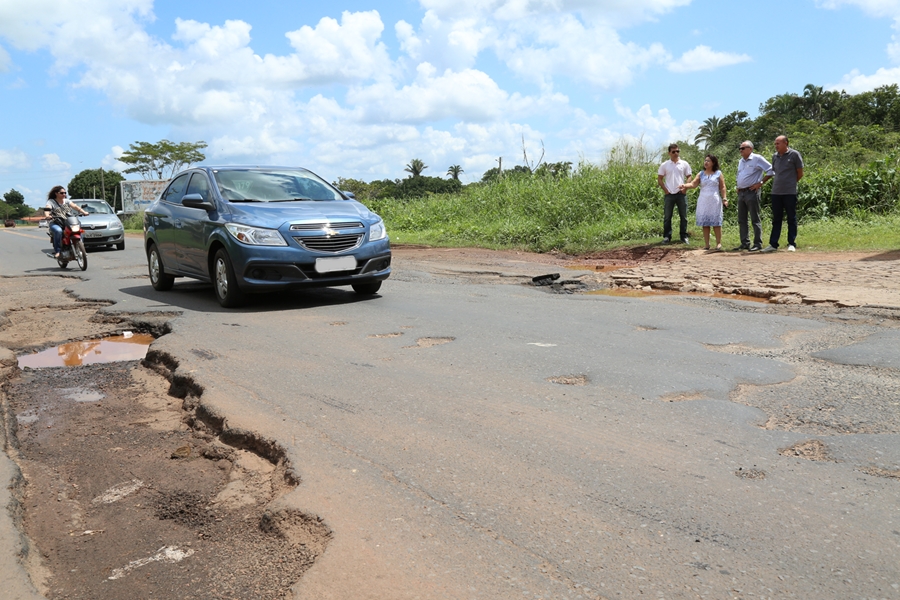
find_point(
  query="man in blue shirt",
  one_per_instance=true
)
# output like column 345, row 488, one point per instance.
column 787, row 165
column 753, row 172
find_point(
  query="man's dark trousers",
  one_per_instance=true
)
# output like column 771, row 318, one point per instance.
column 748, row 206
column 671, row 201
column 784, row 203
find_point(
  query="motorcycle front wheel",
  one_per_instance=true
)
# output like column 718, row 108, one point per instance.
column 80, row 255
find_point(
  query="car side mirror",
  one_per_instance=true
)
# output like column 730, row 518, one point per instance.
column 197, row 201
column 350, row 195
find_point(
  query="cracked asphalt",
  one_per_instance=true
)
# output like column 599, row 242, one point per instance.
column 560, row 445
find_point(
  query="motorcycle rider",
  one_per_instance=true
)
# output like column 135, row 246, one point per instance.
column 58, row 206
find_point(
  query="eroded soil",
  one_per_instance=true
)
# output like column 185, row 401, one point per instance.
column 128, row 494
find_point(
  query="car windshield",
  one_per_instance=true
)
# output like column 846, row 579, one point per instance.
column 253, row 185
column 98, row 208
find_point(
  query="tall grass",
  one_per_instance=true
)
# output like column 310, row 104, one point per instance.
column 618, row 202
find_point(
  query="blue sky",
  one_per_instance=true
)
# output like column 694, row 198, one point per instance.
column 358, row 88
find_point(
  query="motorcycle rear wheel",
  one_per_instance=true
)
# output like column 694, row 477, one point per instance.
column 80, row 255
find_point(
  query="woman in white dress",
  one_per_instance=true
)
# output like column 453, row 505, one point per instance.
column 712, row 198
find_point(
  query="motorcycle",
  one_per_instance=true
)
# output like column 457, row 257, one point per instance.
column 71, row 247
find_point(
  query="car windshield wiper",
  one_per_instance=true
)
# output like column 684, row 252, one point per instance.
column 292, row 200
column 246, row 200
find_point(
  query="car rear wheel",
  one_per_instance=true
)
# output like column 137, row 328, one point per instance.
column 228, row 293
column 159, row 279
column 367, row 289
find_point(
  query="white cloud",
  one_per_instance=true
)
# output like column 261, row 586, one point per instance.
column 52, row 162
column 704, row 58
column 469, row 95
column 14, row 159
column 659, row 128
column 615, row 12
column 855, row 82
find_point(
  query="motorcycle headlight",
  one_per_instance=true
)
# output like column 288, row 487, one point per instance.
column 377, row 232
column 255, row 236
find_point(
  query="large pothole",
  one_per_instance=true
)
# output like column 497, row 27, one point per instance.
column 130, row 489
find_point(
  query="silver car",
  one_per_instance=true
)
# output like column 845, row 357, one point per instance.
column 101, row 226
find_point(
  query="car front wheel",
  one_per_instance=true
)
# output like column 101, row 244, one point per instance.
column 228, row 293
column 160, row 280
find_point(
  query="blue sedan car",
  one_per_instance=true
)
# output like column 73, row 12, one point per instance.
column 260, row 229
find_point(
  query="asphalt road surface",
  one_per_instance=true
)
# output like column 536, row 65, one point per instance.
column 472, row 440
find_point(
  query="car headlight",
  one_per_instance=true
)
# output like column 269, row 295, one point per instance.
column 116, row 225
column 255, row 236
column 377, row 232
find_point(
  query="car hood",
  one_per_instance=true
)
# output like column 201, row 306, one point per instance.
column 275, row 214
column 108, row 221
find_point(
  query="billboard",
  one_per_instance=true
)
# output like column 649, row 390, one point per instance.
column 137, row 195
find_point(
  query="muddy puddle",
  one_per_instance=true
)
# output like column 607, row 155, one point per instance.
column 128, row 346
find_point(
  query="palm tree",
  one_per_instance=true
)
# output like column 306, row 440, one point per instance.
column 710, row 131
column 415, row 167
column 813, row 96
column 454, row 171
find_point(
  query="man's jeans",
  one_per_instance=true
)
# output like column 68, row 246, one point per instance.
column 671, row 201
column 56, row 233
column 784, row 203
column 748, row 206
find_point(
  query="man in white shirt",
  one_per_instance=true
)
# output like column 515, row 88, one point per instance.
column 671, row 175
column 753, row 172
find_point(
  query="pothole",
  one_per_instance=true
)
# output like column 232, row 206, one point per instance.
column 122, row 499
column 809, row 449
column 569, row 379
column 750, row 473
column 428, row 342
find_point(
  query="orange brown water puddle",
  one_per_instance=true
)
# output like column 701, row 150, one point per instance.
column 630, row 293
column 89, row 352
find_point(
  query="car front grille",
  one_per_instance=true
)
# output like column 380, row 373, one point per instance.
column 332, row 243
column 321, row 226
column 93, row 227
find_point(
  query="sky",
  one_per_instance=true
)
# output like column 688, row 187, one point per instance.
column 359, row 88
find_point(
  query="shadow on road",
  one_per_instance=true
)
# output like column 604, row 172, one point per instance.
column 200, row 297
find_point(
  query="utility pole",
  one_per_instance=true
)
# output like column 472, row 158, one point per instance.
column 102, row 185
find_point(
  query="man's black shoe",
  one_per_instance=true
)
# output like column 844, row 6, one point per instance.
column 666, row 241
column 755, row 248
column 739, row 248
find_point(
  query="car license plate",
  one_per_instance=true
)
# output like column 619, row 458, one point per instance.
column 340, row 263
column 93, row 234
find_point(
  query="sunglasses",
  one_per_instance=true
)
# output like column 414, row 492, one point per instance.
column 675, row 152
column 743, row 147
column 63, row 193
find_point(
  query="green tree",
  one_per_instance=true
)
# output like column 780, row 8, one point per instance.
column 415, row 187
column 454, row 171
column 415, row 167
column 163, row 159
column 94, row 183
column 709, row 132
column 13, row 205
column 14, row 196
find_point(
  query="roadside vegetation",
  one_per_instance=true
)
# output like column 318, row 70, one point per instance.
column 849, row 197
